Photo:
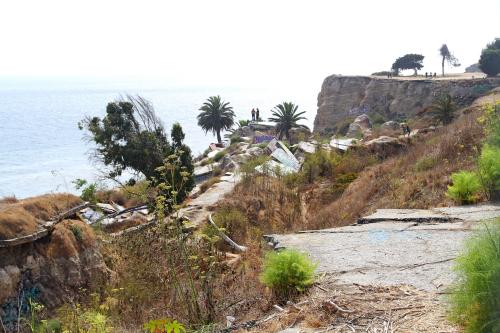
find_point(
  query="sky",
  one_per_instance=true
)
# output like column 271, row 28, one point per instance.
column 236, row 43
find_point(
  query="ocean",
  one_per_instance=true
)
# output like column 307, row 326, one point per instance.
column 43, row 151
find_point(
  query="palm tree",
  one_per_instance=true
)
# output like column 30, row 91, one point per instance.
column 443, row 108
column 216, row 116
column 285, row 116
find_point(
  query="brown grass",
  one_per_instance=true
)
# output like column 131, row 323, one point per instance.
column 397, row 183
column 21, row 218
column 69, row 238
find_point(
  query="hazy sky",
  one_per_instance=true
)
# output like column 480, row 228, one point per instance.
column 233, row 42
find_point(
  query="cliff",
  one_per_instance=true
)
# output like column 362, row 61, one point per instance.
column 342, row 98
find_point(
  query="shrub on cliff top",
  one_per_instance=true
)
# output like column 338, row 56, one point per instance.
column 475, row 300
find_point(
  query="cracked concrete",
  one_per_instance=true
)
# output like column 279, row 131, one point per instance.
column 395, row 248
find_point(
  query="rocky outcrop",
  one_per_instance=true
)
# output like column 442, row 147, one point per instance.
column 343, row 98
column 52, row 270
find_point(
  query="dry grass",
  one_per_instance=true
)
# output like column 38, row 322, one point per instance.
column 370, row 309
column 69, row 238
column 20, row 218
column 409, row 180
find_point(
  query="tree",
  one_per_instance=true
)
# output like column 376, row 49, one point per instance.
column 132, row 136
column 408, row 61
column 216, row 116
column 446, row 56
column 184, row 173
column 489, row 62
column 443, row 108
column 285, row 116
column 129, row 136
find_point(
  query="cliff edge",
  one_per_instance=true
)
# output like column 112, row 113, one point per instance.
column 342, row 98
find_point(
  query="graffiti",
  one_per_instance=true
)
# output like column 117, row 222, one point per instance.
column 18, row 307
column 263, row 138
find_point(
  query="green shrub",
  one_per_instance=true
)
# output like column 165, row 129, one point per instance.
column 235, row 139
column 320, row 164
column 89, row 190
column 465, row 187
column 247, row 169
column 219, row 155
column 475, row 299
column 77, row 232
column 489, row 170
column 164, row 326
column 287, row 272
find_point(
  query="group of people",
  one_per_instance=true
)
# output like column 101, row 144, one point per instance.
column 430, row 74
column 255, row 114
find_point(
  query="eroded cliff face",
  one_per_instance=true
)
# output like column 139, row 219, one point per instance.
column 342, row 98
column 52, row 270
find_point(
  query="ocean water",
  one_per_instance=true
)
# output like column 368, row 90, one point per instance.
column 43, row 151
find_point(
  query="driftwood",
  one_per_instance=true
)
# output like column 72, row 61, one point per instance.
column 226, row 237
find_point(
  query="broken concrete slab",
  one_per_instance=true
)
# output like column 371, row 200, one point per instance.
column 306, row 147
column 342, row 144
column 442, row 214
column 408, row 215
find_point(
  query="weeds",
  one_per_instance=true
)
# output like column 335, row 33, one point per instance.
column 475, row 300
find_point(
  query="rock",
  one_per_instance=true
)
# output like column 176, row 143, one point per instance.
column 227, row 163
column 354, row 131
column 391, row 125
column 306, row 147
column 384, row 146
column 241, row 158
column 9, row 280
column 246, row 131
column 363, row 121
column 255, row 151
column 299, row 134
column 360, row 127
column 344, row 97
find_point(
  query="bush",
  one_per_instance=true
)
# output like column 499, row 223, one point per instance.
column 320, row 164
column 426, row 163
column 287, row 272
column 465, row 187
column 475, row 299
column 219, row 155
column 489, row 170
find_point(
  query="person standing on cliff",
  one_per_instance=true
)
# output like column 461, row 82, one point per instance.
column 257, row 115
column 253, row 114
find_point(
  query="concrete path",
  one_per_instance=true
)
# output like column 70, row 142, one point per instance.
column 393, row 247
column 197, row 209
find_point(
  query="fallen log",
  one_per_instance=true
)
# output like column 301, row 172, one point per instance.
column 225, row 237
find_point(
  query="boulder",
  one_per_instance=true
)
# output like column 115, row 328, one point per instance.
column 359, row 126
column 384, row 146
column 391, row 125
column 255, row 151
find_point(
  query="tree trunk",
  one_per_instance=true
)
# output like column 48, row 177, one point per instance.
column 442, row 66
column 219, row 139
column 415, row 71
